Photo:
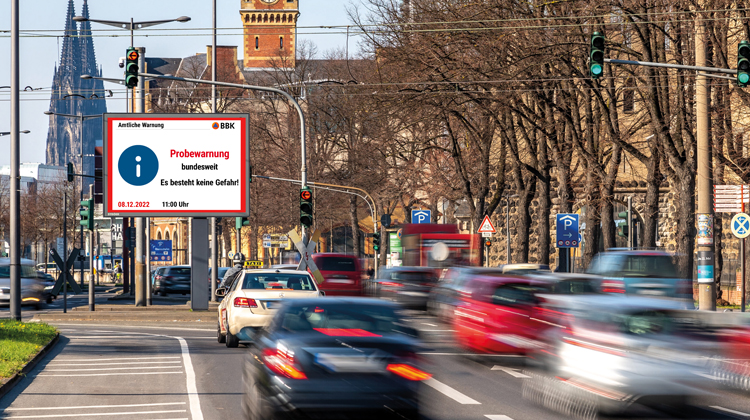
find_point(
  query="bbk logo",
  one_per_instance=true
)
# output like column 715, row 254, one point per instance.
column 223, row 126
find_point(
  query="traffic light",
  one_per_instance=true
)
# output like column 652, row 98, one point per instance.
column 131, row 67
column 596, row 56
column 241, row 221
column 87, row 214
column 376, row 241
column 128, row 238
column 305, row 207
column 71, row 172
column 488, row 243
column 622, row 229
column 743, row 64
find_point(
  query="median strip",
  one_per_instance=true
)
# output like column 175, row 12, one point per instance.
column 22, row 345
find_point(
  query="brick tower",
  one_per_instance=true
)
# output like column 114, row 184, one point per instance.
column 270, row 28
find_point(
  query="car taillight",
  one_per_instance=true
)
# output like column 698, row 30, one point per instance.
column 282, row 363
column 159, row 277
column 243, row 302
column 391, row 284
column 613, row 286
column 408, row 372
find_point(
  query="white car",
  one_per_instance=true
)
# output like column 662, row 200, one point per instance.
column 254, row 298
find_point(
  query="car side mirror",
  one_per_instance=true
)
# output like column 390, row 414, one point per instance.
column 322, row 293
column 221, row 292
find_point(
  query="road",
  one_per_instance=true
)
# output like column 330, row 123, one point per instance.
column 167, row 372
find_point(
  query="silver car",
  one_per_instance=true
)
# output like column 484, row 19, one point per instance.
column 32, row 288
column 608, row 352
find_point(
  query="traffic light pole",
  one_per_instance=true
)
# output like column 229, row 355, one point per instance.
column 140, row 251
column 15, row 164
column 92, row 295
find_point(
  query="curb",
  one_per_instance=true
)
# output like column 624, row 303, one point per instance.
column 8, row 386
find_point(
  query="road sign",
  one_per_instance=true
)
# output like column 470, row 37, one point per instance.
column 729, row 198
column 176, row 165
column 741, row 225
column 275, row 240
column 567, row 230
column 486, row 234
column 306, row 261
column 421, row 216
column 161, row 250
column 486, row 226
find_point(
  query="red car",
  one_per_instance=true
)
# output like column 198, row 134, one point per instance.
column 497, row 314
column 342, row 274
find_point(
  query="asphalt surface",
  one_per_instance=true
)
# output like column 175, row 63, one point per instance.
column 179, row 371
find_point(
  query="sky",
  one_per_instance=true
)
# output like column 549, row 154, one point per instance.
column 39, row 54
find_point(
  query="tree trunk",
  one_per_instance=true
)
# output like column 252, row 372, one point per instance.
column 355, row 225
column 685, row 186
column 545, row 203
column 592, row 219
column 651, row 203
column 523, row 219
column 607, row 217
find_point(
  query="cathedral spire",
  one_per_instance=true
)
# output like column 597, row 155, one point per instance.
column 69, row 54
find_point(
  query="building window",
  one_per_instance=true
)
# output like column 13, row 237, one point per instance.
column 257, row 42
column 281, row 42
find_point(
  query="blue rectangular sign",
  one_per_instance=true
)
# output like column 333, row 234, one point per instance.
column 567, row 230
column 161, row 250
column 421, row 216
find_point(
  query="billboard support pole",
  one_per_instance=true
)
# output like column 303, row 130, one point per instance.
column 140, row 252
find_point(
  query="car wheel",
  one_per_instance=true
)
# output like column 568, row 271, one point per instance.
column 219, row 336
column 163, row 292
column 231, row 340
column 254, row 405
column 49, row 300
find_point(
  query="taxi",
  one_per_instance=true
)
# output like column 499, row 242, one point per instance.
column 251, row 301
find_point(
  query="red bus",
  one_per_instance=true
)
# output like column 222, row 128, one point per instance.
column 440, row 246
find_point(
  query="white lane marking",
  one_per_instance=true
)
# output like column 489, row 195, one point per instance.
column 112, row 374
column 113, row 363
column 497, row 417
column 739, row 413
column 112, row 368
column 510, row 371
column 139, row 327
column 93, row 406
column 428, row 324
column 104, row 415
column 119, row 358
column 101, row 337
column 449, row 392
column 192, row 387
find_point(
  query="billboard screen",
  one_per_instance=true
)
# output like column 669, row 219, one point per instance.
column 162, row 165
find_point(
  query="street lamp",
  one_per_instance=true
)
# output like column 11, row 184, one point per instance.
column 7, row 133
column 131, row 26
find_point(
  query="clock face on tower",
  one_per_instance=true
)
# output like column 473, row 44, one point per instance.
column 269, row 1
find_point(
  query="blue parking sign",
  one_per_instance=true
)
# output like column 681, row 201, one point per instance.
column 568, row 235
column 421, row 216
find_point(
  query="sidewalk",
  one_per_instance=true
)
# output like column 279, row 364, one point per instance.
column 131, row 313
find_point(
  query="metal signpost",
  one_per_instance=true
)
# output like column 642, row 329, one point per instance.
column 567, row 237
column 421, row 216
column 306, row 251
column 741, row 229
column 487, row 229
column 178, row 165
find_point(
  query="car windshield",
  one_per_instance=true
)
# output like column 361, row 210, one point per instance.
column 27, row 271
column 572, row 287
column 649, row 266
column 275, row 281
column 340, row 320
column 183, row 271
column 337, row 264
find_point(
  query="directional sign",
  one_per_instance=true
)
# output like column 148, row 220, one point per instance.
column 161, row 250
column 306, row 251
column 421, row 216
column 741, row 225
column 567, row 230
column 486, row 226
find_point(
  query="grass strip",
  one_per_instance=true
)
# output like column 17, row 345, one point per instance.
column 20, row 342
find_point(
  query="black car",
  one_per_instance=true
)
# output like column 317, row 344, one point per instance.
column 334, row 357
column 174, row 279
column 409, row 286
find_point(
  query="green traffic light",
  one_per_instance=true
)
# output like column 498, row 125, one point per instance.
column 596, row 69
column 743, row 78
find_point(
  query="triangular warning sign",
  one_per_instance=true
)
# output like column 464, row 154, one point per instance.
column 486, row 226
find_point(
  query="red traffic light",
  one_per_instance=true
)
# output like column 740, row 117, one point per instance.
column 305, row 195
column 487, row 243
column 133, row 55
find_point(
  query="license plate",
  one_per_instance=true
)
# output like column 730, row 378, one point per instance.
column 340, row 281
column 349, row 363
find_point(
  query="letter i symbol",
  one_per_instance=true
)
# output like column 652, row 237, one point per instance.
column 138, row 167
